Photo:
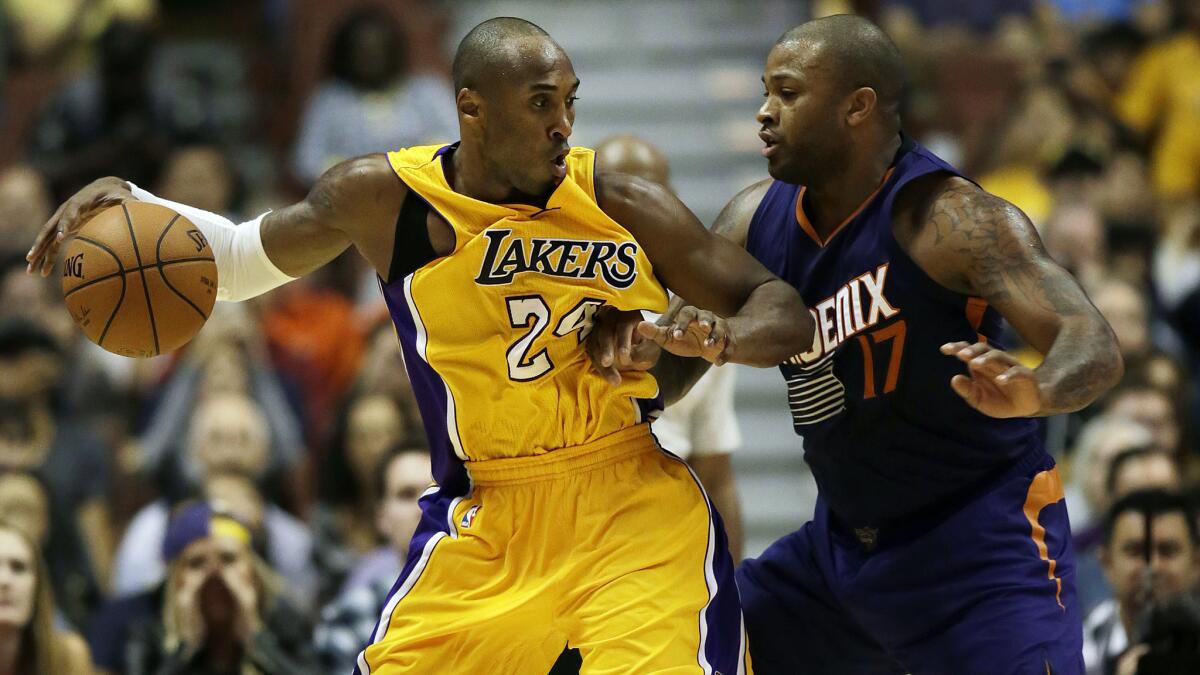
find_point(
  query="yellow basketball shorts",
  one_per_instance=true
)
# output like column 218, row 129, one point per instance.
column 611, row 547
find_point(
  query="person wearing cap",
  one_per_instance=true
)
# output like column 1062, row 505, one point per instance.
column 220, row 614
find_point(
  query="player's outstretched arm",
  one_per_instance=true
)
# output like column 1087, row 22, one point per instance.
column 753, row 317
column 262, row 254
column 982, row 245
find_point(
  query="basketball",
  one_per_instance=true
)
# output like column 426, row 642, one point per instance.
column 139, row 279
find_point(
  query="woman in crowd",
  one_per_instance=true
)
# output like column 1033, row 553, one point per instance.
column 29, row 644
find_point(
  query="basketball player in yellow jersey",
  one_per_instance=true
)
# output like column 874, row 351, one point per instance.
column 555, row 518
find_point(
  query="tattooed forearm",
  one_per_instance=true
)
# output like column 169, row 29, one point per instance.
column 999, row 256
column 1074, row 373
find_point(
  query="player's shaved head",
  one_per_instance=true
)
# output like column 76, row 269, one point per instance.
column 857, row 53
column 631, row 155
column 492, row 50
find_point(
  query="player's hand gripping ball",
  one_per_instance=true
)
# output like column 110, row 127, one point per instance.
column 139, row 279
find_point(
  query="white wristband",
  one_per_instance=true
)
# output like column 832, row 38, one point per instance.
column 243, row 268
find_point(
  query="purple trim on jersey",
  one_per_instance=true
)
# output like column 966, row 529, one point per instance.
column 725, row 642
column 436, row 508
column 649, row 408
column 431, row 394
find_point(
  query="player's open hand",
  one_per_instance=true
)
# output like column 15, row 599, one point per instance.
column 692, row 332
column 615, row 346
column 66, row 221
column 996, row 384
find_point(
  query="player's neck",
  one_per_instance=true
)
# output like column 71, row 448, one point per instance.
column 469, row 174
column 831, row 201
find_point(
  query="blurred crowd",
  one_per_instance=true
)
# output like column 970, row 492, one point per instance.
column 247, row 502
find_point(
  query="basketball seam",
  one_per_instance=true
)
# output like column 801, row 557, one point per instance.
column 142, row 270
column 130, row 270
column 158, row 259
column 120, row 298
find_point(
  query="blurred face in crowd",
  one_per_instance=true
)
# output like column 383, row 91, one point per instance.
column 1125, row 310
column 1144, row 472
column 800, row 114
column 372, row 53
column 1118, row 435
column 524, row 116
column 203, row 563
column 224, row 371
column 1074, row 237
column 24, row 206
column 376, row 425
column 18, row 580
column 229, row 433
column 1173, row 561
column 25, row 504
column 199, row 177
column 239, row 496
column 28, row 376
column 37, row 300
column 1152, row 409
column 407, row 476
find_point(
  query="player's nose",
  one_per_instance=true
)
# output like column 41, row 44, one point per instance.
column 562, row 128
column 766, row 113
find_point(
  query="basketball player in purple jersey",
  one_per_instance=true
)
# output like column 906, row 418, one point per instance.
column 940, row 542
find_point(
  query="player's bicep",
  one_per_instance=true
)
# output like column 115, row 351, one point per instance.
column 1003, row 261
column 708, row 270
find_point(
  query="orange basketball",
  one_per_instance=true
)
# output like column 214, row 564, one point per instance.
column 139, row 279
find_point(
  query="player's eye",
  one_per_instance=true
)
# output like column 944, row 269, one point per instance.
column 539, row 102
column 571, row 101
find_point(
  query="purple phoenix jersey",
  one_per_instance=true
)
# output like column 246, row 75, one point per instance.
column 884, row 433
column 940, row 541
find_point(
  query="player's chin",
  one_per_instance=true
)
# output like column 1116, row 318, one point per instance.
column 780, row 169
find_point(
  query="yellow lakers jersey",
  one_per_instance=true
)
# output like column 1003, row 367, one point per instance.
column 493, row 334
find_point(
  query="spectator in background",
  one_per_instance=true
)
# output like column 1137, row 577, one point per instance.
column 1141, row 469
column 1137, row 399
column 64, row 31
column 700, row 427
column 1125, row 309
column 25, row 504
column 228, row 435
column 109, row 121
column 315, row 340
column 72, row 462
column 86, row 391
column 346, row 623
column 1176, row 273
column 1174, row 554
column 222, row 611
column 368, row 426
column 1099, row 441
column 1159, row 102
column 371, row 103
column 29, row 643
column 382, row 370
column 25, row 205
column 200, row 175
column 227, row 357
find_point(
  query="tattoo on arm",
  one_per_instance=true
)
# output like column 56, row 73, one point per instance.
column 1001, row 259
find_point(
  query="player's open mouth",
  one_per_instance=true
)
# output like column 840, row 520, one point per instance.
column 560, row 165
column 770, row 140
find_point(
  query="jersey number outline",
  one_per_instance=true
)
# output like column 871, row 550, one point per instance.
column 532, row 312
column 894, row 332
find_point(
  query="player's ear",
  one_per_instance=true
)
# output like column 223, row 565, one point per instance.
column 469, row 103
column 862, row 103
